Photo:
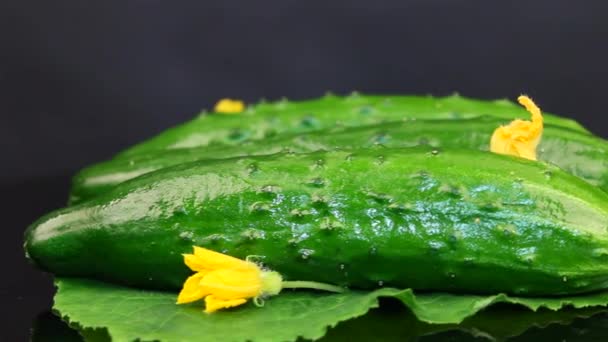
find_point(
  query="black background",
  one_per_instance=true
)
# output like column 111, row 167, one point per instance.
column 80, row 80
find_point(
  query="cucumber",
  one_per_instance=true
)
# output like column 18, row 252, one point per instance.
column 267, row 119
column 580, row 154
column 452, row 220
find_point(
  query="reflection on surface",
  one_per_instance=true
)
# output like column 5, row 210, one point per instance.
column 393, row 322
column 50, row 328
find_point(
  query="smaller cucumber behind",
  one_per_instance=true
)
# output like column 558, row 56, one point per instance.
column 268, row 119
column 581, row 154
column 450, row 220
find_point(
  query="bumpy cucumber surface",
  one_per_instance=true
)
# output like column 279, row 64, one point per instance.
column 580, row 154
column 451, row 220
column 267, row 119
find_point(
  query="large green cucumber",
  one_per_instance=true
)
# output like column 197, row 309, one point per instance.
column 266, row 119
column 451, row 220
column 581, row 154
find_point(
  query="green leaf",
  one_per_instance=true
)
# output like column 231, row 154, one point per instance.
column 129, row 314
column 443, row 308
column 498, row 323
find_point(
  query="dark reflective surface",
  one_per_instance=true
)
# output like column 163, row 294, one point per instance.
column 392, row 322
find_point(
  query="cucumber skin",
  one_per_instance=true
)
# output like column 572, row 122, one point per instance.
column 268, row 119
column 457, row 221
column 582, row 155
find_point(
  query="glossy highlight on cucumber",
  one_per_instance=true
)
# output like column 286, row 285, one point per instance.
column 267, row 119
column 580, row 154
column 426, row 218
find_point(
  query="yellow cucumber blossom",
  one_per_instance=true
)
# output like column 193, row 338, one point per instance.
column 224, row 281
column 229, row 106
column 519, row 138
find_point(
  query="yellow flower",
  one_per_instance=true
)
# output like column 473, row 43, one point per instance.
column 226, row 282
column 520, row 137
column 229, row 106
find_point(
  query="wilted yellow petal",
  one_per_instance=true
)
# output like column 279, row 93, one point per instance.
column 213, row 304
column 232, row 284
column 519, row 138
column 229, row 106
column 191, row 290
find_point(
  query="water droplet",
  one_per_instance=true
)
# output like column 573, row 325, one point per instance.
column 387, row 102
column 328, row 223
column 214, row 238
column 186, row 235
column 180, row 211
column 452, row 275
column 306, row 253
column 435, row 152
column 455, row 115
column 237, row 134
column 349, row 157
column 150, row 278
column 309, row 122
column 269, row 133
column 259, row 207
column 380, row 160
column 565, row 279
column 380, row 283
column 318, row 164
column 477, row 220
column 379, row 197
column 435, row 246
column 600, row 252
column 450, row 189
column 366, row 110
column 316, row 182
column 319, row 199
column 373, row 251
column 253, row 234
column 528, row 257
column 381, row 138
column 252, row 169
column 469, row 260
column 455, row 237
column 401, row 207
column 270, row 189
column 548, row 174
column 342, row 267
column 131, row 163
column 507, row 229
column 299, row 212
